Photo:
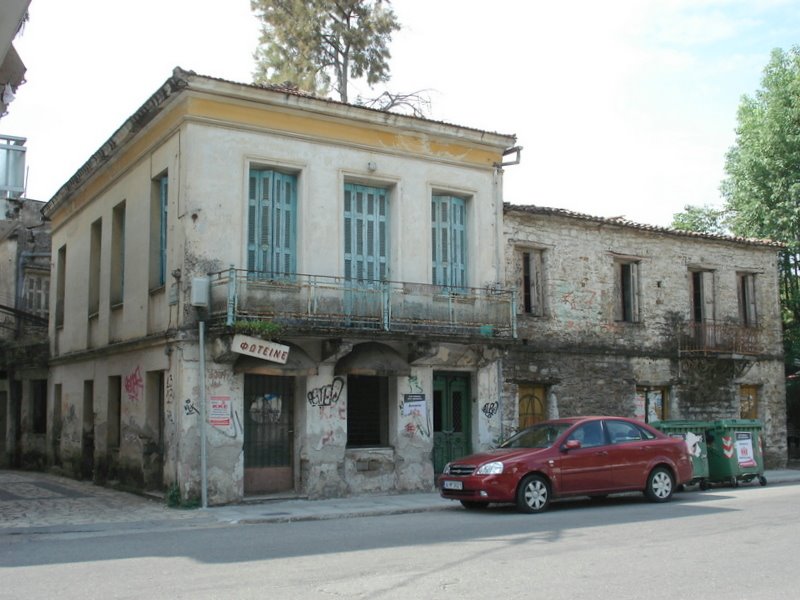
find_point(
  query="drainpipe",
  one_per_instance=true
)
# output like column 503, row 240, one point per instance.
column 500, row 397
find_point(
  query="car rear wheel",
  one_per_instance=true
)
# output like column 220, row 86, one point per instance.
column 533, row 495
column 474, row 505
column 660, row 485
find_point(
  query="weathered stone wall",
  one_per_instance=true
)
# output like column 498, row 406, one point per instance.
column 592, row 362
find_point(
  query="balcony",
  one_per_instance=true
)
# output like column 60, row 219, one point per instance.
column 714, row 339
column 334, row 305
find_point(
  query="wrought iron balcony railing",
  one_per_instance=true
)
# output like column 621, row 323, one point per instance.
column 318, row 302
column 720, row 338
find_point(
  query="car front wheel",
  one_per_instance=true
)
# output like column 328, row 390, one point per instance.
column 660, row 485
column 533, row 495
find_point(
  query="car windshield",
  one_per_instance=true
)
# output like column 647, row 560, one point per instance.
column 538, row 436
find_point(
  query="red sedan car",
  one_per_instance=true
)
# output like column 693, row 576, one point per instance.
column 580, row 456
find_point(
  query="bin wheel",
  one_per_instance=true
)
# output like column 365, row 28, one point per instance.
column 762, row 480
column 704, row 485
column 734, row 482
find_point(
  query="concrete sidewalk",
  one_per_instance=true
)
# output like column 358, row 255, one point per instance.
column 42, row 502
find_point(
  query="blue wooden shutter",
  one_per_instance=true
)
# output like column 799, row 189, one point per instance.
column 271, row 223
column 283, row 223
column 448, row 241
column 163, row 206
column 366, row 244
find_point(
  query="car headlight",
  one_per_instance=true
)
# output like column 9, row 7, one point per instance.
column 492, row 468
column 446, row 470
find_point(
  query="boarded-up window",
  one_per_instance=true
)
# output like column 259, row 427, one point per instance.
column 652, row 403
column 532, row 404
column 748, row 402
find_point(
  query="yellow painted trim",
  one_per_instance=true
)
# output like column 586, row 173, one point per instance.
column 331, row 130
column 295, row 122
column 132, row 153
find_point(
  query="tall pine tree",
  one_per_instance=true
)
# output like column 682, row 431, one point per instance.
column 319, row 44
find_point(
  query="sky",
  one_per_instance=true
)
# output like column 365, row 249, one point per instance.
column 624, row 108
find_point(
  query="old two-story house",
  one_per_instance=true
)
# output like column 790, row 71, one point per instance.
column 320, row 282
column 24, row 297
column 648, row 322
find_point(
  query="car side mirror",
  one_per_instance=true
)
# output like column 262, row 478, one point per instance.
column 571, row 445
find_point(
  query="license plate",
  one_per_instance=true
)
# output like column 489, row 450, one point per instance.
column 453, row 485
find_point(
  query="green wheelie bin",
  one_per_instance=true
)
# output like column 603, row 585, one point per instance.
column 735, row 453
column 694, row 434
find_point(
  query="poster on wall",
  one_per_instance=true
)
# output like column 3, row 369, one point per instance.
column 414, row 404
column 219, row 414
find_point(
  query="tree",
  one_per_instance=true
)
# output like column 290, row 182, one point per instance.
column 762, row 187
column 314, row 44
column 702, row 219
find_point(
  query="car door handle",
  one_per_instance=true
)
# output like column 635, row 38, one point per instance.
column 601, row 453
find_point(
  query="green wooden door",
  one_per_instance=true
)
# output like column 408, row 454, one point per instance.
column 451, row 420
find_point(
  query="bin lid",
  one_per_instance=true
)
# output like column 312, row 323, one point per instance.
column 737, row 424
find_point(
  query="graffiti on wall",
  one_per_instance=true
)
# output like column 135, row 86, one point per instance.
column 189, row 408
column 490, row 409
column 326, row 395
column 413, row 385
column 169, row 398
column 134, row 384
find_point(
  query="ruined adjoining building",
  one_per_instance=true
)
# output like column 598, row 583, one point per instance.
column 328, row 278
column 627, row 319
column 24, row 303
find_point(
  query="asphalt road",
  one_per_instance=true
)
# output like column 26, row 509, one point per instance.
column 726, row 543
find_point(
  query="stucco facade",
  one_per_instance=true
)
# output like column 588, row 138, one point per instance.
column 625, row 319
column 320, row 226
column 24, row 283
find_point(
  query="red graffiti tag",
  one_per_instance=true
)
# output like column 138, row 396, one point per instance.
column 134, row 385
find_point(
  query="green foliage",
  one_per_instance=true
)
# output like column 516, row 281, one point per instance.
column 174, row 499
column 258, row 328
column 315, row 43
column 701, row 219
column 762, row 187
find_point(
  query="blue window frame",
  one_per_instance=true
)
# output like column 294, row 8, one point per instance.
column 271, row 225
column 366, row 243
column 163, row 189
column 449, row 241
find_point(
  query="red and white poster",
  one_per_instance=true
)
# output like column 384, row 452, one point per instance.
column 744, row 449
column 219, row 414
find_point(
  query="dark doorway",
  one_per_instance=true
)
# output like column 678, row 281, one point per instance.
column 268, row 434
